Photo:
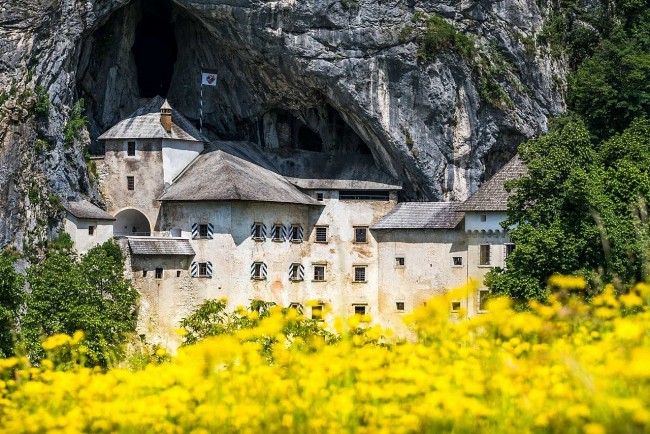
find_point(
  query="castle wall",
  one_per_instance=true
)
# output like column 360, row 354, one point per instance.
column 79, row 233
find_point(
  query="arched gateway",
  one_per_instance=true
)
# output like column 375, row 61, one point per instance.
column 131, row 222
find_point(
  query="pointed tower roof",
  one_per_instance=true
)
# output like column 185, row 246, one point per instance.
column 144, row 123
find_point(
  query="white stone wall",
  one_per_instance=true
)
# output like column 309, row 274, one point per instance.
column 81, row 239
column 176, row 155
column 492, row 221
column 428, row 269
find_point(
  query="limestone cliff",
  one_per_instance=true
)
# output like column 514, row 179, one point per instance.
column 338, row 76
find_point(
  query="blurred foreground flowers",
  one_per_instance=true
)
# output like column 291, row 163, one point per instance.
column 565, row 366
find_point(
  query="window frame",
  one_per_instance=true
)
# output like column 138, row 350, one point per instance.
column 296, row 228
column 314, row 267
column 277, row 232
column 481, row 261
column 508, row 248
column 400, row 262
column 203, row 236
column 457, row 309
column 359, row 267
column 91, row 230
column 482, row 218
column 294, row 272
column 480, row 301
column 321, row 227
column 159, row 273
column 320, row 196
column 203, row 266
column 397, row 306
column 453, row 261
column 258, row 273
column 363, row 306
column 319, row 307
column 130, row 183
column 128, row 148
column 258, row 235
column 365, row 232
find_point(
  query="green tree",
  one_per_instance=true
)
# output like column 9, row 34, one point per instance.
column 11, row 295
column 580, row 210
column 89, row 294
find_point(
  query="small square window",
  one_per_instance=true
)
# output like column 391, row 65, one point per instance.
column 360, row 234
column 399, row 306
column 319, row 273
column 321, row 234
column 484, row 254
column 320, row 196
column 457, row 261
column 509, row 249
column 203, row 269
column 483, row 217
column 91, row 230
column 159, row 273
column 203, row 231
column 400, row 262
column 130, row 183
column 144, row 273
column 483, row 297
column 258, row 271
column 258, row 231
column 296, row 272
column 455, row 306
column 317, row 312
column 360, row 274
column 178, row 273
column 276, row 232
column 359, row 309
column 130, row 149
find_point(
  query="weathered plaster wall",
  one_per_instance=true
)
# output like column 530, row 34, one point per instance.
column 492, row 221
column 147, row 169
column 428, row 269
column 176, row 155
column 81, row 239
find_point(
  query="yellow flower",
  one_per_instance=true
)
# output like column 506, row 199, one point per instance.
column 567, row 282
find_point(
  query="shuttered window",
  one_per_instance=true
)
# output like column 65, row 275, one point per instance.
column 296, row 272
column 278, row 233
column 296, row 234
column 258, row 271
column 202, row 231
column 201, row 269
column 258, row 231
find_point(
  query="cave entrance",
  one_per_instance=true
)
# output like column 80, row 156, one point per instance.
column 155, row 48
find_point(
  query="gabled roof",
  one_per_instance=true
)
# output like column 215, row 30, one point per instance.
column 85, row 210
column 421, row 215
column 144, row 123
column 160, row 246
column 492, row 195
column 217, row 175
column 315, row 170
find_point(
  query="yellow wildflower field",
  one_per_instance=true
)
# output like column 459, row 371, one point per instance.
column 565, row 366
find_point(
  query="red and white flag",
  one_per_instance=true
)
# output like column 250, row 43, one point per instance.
column 208, row 78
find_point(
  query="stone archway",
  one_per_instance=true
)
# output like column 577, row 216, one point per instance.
column 131, row 222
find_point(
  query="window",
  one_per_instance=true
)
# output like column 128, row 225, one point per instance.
column 321, row 234
column 130, row 149
column 455, row 306
column 457, row 261
column 359, row 309
column 296, row 272
column 320, row 196
column 159, row 273
column 399, row 262
column 130, row 183
column 258, row 231
column 483, row 217
column 360, row 234
column 258, row 271
column 319, row 273
column 296, row 234
column 91, row 230
column 317, row 312
column 203, row 231
column 200, row 269
column 360, row 273
column 484, row 254
column 399, row 306
column 144, row 273
column 277, row 232
column 483, row 297
column 364, row 195
column 178, row 273
column 509, row 249
column 296, row 305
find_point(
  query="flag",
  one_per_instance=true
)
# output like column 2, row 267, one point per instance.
column 208, row 77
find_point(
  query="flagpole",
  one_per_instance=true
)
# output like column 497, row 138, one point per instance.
column 201, row 110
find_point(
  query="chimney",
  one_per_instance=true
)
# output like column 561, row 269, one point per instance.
column 166, row 116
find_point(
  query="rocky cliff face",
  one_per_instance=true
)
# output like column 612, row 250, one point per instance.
column 337, row 76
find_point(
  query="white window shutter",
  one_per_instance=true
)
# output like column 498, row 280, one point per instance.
column 194, row 269
column 301, row 272
column 195, row 231
column 253, row 230
column 208, row 267
column 301, row 233
column 290, row 271
column 210, row 230
column 263, row 230
column 285, row 232
column 253, row 270
column 263, row 270
column 274, row 232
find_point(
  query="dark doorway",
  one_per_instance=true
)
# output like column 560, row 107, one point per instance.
column 155, row 48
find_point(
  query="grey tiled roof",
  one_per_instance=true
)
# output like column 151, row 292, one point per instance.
column 217, row 175
column 144, row 123
column 492, row 196
column 421, row 215
column 85, row 210
column 160, row 246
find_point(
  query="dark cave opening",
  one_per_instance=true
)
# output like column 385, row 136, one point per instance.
column 155, row 48
column 309, row 140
